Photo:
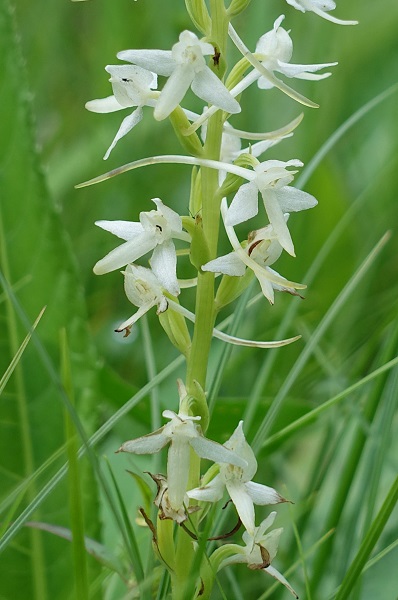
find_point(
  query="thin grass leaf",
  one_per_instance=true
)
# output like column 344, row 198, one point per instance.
column 133, row 547
column 341, row 131
column 327, row 320
column 312, row 415
column 74, row 479
column 301, row 555
column 98, row 551
column 52, row 484
column 349, row 468
column 17, row 356
column 368, row 543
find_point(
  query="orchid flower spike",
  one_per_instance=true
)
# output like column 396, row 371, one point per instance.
column 154, row 232
column 183, row 434
column 132, row 87
column 261, row 251
column 271, row 179
column 320, row 8
column 259, row 551
column 185, row 67
column 243, row 492
column 274, row 50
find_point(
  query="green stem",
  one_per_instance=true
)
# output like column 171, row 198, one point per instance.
column 183, row 580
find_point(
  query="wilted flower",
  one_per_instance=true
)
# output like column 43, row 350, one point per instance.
column 132, row 86
column 182, row 433
column 321, row 8
column 154, row 232
column 185, row 67
column 259, row 551
column 243, row 492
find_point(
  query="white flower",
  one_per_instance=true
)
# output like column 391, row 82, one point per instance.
column 182, row 434
column 185, row 67
column 243, row 492
column 154, row 232
column 259, row 551
column 144, row 290
column 321, row 8
column 274, row 50
column 262, row 250
column 132, row 86
column 271, row 179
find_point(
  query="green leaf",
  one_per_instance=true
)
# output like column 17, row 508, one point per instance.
column 37, row 268
column 102, row 554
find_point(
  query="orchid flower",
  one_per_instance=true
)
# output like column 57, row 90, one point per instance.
column 243, row 492
column 274, row 50
column 144, row 290
column 320, row 8
column 185, row 67
column 259, row 551
column 271, row 179
column 132, row 87
column 154, row 232
column 262, row 250
column 183, row 434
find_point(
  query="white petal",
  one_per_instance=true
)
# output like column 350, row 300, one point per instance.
column 158, row 61
column 104, row 105
column 216, row 452
column 124, row 254
column 207, row 86
column 127, row 125
column 164, row 265
column 262, row 494
column 301, row 71
column 212, row 492
column 276, row 575
column 264, row 525
column 324, row 15
column 174, row 91
column 238, row 443
column 267, row 287
column 125, row 230
column 244, row 206
column 131, row 84
column 135, row 317
column 173, row 218
column 293, row 200
column 229, row 264
column 178, row 460
column 243, row 503
column 147, row 444
column 277, row 220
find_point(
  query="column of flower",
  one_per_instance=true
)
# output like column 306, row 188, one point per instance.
column 222, row 169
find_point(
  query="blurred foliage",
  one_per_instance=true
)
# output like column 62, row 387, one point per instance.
column 50, row 235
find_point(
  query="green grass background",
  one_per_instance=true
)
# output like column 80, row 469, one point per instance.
column 337, row 468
